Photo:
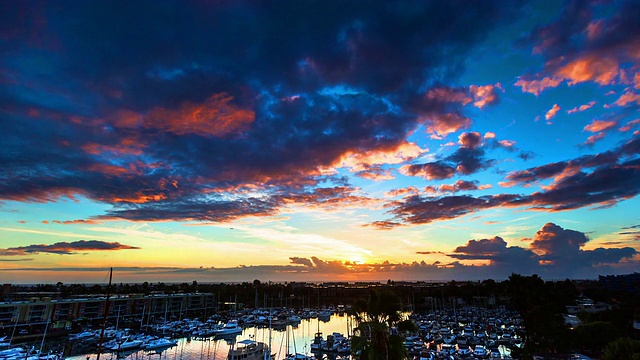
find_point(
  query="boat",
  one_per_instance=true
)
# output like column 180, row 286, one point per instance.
column 480, row 352
column 125, row 345
column 318, row 340
column 83, row 336
column 298, row 356
column 249, row 350
column 4, row 343
column 230, row 328
column 160, row 343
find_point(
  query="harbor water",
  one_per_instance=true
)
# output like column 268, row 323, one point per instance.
column 295, row 338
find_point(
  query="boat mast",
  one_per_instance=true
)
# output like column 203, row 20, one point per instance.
column 106, row 313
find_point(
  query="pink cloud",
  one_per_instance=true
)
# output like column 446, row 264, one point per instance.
column 627, row 98
column 602, row 70
column 600, row 125
column 448, row 94
column 581, row 108
column 445, row 124
column 490, row 135
column 507, row 143
column 594, row 30
column 484, row 95
column 411, row 190
column 470, row 140
column 594, row 138
column 630, row 125
column 537, row 86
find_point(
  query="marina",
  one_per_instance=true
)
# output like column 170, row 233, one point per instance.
column 466, row 333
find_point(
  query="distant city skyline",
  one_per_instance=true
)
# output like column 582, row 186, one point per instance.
column 318, row 141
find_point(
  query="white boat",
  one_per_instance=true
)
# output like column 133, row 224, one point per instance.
column 127, row 344
column 160, row 343
column 230, row 328
column 299, row 356
column 82, row 336
column 249, row 350
column 480, row 352
column 13, row 352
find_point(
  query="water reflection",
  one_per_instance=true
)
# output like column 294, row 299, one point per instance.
column 295, row 338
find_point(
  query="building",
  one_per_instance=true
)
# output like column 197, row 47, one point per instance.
column 66, row 312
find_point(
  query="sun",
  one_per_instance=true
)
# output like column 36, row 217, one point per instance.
column 356, row 259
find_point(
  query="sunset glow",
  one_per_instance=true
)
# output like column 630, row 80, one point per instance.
column 319, row 141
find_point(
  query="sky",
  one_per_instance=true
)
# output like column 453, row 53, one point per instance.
column 318, row 140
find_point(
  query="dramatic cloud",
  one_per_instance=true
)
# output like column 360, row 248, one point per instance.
column 595, row 180
column 187, row 115
column 580, row 49
column 468, row 159
column 66, row 248
column 555, row 252
column 460, row 185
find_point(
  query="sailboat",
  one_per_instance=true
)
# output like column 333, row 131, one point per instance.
column 296, row 355
column 106, row 313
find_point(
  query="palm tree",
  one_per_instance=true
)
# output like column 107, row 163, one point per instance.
column 375, row 336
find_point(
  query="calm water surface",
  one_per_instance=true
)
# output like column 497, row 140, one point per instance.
column 299, row 338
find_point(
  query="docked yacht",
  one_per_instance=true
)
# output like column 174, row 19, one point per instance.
column 160, row 343
column 230, row 328
column 249, row 350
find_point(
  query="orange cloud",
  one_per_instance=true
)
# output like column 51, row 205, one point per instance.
column 110, row 170
column 603, row 70
column 627, row 98
column 600, row 125
column 141, row 198
column 411, row 190
column 484, row 95
column 594, row 138
column 445, row 124
column 490, row 135
column 217, row 116
column 552, row 112
column 362, row 161
column 630, row 125
column 72, row 222
column 127, row 146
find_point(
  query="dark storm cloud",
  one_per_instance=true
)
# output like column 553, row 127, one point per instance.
column 152, row 106
column 460, row 185
column 66, row 248
column 423, row 210
column 431, row 171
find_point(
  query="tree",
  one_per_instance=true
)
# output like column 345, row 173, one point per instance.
column 622, row 349
column 376, row 316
